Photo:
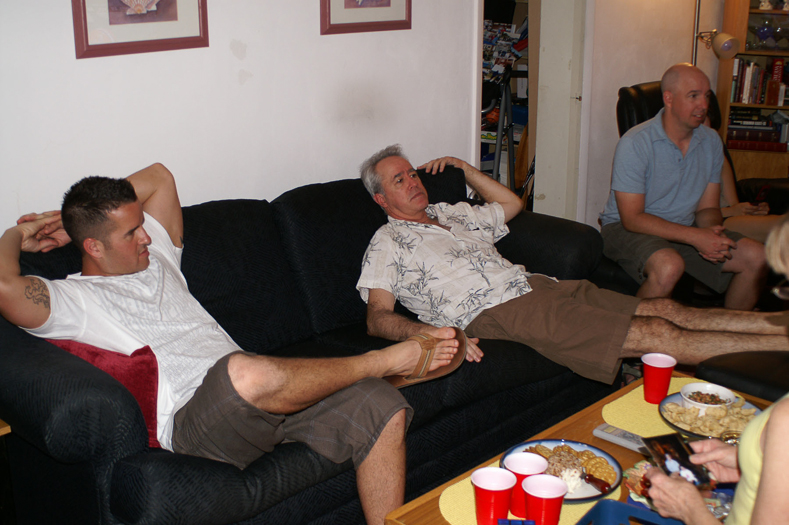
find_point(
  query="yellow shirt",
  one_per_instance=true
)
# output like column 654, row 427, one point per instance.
column 750, row 457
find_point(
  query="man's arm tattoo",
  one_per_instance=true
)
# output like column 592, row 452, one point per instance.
column 37, row 292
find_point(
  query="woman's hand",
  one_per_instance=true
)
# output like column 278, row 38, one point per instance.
column 674, row 497
column 718, row 457
column 746, row 208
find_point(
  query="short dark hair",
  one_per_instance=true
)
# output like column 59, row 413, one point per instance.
column 87, row 203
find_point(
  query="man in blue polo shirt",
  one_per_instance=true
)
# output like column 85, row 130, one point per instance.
column 663, row 214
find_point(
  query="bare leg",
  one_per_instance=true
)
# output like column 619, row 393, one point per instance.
column 755, row 227
column 663, row 269
column 287, row 385
column 380, row 478
column 749, row 266
column 653, row 334
column 715, row 319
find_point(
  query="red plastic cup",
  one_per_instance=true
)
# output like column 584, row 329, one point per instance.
column 544, row 497
column 657, row 376
column 492, row 491
column 523, row 465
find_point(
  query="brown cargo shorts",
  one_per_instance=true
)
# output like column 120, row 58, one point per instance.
column 573, row 323
column 217, row 423
column 632, row 250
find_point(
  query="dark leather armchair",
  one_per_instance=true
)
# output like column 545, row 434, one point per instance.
column 641, row 102
column 637, row 104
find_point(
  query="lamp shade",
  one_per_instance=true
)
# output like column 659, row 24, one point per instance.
column 725, row 46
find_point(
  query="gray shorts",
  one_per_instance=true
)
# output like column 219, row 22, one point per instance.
column 217, row 423
column 573, row 323
column 632, row 250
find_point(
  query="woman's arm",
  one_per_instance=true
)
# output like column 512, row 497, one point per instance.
column 729, row 191
column 772, row 505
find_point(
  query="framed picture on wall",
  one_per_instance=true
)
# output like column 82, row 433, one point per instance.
column 120, row 27
column 357, row 16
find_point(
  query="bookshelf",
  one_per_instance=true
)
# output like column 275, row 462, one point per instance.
column 764, row 36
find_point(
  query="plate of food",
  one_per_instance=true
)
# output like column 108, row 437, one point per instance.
column 568, row 459
column 713, row 423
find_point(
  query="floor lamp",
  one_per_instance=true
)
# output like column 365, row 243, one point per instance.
column 723, row 44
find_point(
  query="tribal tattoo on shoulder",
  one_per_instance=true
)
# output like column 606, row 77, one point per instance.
column 37, row 292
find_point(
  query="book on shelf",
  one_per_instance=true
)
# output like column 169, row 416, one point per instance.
column 735, row 75
column 753, row 134
column 771, row 93
column 737, row 113
column 757, row 145
column 758, row 93
column 736, row 123
column 746, row 84
column 778, row 69
column 757, row 82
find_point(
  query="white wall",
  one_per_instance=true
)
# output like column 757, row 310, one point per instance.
column 632, row 42
column 269, row 106
column 560, row 82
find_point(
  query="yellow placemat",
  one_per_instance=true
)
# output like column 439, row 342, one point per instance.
column 630, row 412
column 457, row 505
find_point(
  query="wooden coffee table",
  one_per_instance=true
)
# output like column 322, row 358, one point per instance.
column 5, row 428
column 578, row 427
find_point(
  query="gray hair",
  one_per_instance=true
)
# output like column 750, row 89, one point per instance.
column 370, row 177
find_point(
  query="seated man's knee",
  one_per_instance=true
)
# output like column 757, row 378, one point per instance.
column 665, row 267
column 750, row 256
column 255, row 376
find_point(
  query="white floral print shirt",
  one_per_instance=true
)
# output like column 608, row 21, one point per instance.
column 445, row 277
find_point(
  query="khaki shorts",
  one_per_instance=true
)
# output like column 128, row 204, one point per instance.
column 217, row 423
column 573, row 323
column 632, row 250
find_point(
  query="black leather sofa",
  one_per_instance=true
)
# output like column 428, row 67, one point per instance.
column 280, row 278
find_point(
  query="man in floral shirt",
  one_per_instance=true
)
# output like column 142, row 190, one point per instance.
column 440, row 262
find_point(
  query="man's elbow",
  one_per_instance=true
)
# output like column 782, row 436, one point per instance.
column 513, row 209
column 628, row 222
column 372, row 325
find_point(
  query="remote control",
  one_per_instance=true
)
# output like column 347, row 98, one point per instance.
column 621, row 437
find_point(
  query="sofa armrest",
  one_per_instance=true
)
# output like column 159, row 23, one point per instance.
column 552, row 246
column 64, row 406
column 162, row 487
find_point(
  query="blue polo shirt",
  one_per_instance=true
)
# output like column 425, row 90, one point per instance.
column 648, row 162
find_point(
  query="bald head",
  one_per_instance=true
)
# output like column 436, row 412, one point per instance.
column 673, row 77
column 686, row 96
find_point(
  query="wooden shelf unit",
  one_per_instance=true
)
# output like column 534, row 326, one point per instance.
column 748, row 164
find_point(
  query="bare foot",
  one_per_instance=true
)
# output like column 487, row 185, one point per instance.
column 473, row 353
column 403, row 357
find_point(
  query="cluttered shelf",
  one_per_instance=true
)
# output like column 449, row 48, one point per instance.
column 504, row 96
column 757, row 106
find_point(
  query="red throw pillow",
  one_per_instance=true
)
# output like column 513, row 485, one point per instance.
column 138, row 372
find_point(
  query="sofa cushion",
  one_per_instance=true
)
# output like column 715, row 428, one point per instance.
column 552, row 246
column 326, row 229
column 235, row 266
column 138, row 372
column 56, row 264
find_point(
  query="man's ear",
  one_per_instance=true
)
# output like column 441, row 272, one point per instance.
column 93, row 247
column 380, row 200
column 668, row 98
